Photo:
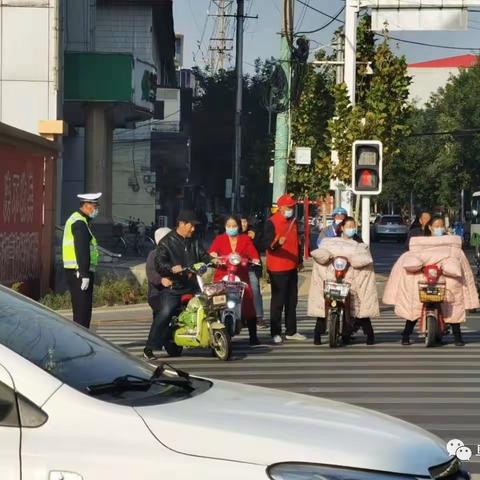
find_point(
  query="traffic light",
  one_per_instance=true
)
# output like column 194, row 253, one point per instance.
column 367, row 167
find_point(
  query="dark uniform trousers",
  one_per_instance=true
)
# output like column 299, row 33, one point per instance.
column 284, row 295
column 81, row 299
column 160, row 333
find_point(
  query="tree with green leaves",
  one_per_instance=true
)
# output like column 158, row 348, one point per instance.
column 309, row 124
column 440, row 157
column 381, row 110
column 213, row 135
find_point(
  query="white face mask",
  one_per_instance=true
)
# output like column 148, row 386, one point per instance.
column 94, row 213
column 438, row 232
column 288, row 213
column 350, row 232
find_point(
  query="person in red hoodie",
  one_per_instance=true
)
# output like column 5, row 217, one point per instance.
column 282, row 245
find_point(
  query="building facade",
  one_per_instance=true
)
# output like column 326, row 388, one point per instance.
column 30, row 63
column 428, row 77
column 95, row 64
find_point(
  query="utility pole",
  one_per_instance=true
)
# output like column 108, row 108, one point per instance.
column 339, row 50
column 238, row 108
column 282, row 134
column 219, row 43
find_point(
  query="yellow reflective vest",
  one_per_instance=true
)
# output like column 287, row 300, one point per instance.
column 68, row 245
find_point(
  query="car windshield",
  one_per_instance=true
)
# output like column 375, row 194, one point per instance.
column 71, row 353
column 391, row 220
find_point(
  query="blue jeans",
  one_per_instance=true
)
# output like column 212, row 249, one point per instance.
column 257, row 294
column 160, row 333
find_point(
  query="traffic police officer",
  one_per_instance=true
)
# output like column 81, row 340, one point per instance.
column 80, row 257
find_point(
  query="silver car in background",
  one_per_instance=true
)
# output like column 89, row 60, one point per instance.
column 390, row 227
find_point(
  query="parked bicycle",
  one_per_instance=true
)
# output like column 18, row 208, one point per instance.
column 132, row 238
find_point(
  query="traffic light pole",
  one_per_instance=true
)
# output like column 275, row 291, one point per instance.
column 351, row 11
column 366, row 219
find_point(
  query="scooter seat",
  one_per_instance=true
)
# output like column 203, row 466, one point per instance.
column 186, row 298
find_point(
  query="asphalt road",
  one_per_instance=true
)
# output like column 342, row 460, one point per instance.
column 437, row 389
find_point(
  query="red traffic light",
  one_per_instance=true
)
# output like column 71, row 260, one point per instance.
column 367, row 178
column 367, row 167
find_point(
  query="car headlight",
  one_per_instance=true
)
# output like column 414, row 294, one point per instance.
column 300, row 471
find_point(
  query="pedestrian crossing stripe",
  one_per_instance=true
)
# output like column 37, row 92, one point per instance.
column 435, row 388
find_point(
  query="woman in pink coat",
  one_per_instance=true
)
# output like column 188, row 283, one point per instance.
column 443, row 250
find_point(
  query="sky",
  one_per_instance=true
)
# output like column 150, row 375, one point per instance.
column 263, row 41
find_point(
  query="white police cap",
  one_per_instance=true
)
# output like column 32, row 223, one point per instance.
column 89, row 197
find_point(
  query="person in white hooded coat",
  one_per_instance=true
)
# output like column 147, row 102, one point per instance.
column 361, row 275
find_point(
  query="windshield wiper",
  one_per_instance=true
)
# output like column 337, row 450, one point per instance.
column 164, row 367
column 134, row 383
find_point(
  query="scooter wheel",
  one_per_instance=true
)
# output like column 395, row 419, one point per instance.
column 222, row 344
column 432, row 333
column 333, row 323
column 173, row 349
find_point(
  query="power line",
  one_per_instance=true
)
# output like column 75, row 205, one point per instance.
column 456, row 133
column 413, row 42
column 200, row 42
column 320, row 12
column 302, row 16
column 193, row 15
column 219, row 41
column 326, row 25
column 249, row 11
column 423, row 44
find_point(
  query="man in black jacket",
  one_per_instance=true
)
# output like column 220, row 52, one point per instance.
column 176, row 251
column 418, row 226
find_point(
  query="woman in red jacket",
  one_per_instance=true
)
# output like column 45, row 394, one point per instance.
column 232, row 241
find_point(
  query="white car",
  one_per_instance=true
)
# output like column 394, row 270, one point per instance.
column 390, row 227
column 75, row 407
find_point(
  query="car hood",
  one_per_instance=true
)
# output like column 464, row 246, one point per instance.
column 265, row 426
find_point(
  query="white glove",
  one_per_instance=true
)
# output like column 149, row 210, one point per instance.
column 85, row 283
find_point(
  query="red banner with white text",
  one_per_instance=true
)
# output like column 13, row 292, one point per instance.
column 21, row 217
